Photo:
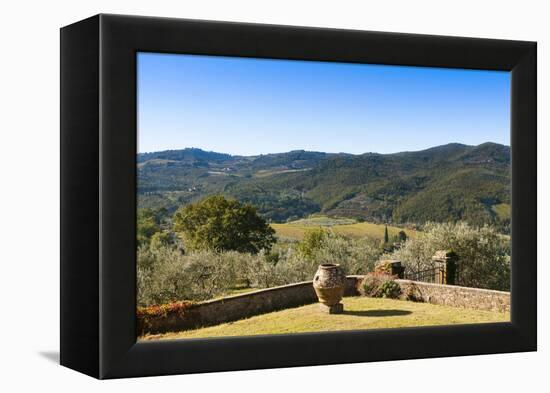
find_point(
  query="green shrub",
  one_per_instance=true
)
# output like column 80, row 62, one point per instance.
column 162, row 238
column 147, row 225
column 483, row 253
column 369, row 286
column 389, row 289
column 379, row 284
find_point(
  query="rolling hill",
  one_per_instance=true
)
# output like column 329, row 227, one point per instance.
column 295, row 230
column 449, row 182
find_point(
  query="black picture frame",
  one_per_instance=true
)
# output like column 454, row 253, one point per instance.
column 98, row 196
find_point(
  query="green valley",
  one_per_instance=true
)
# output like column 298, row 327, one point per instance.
column 444, row 183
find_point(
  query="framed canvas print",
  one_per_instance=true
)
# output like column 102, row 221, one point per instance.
column 238, row 196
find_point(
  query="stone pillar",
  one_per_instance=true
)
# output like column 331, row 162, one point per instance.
column 390, row 266
column 445, row 262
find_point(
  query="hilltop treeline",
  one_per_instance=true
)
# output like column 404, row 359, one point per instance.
column 447, row 183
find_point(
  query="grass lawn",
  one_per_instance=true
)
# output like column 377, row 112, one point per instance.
column 296, row 229
column 359, row 313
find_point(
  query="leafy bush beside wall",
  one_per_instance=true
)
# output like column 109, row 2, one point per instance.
column 483, row 253
column 379, row 284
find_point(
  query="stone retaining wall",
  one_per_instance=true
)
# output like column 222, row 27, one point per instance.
column 232, row 308
column 456, row 296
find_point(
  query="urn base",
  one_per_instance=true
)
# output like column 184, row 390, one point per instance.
column 335, row 309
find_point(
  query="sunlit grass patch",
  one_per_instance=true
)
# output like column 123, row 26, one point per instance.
column 296, row 229
column 359, row 313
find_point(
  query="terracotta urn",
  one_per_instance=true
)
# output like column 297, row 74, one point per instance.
column 329, row 283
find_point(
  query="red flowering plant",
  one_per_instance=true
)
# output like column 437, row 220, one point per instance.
column 163, row 310
column 152, row 315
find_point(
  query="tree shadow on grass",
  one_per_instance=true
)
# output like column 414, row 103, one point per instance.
column 378, row 313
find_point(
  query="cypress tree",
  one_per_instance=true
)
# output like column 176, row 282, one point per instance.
column 386, row 237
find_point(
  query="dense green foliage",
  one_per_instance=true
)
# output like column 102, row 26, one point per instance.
column 484, row 254
column 147, row 225
column 389, row 289
column 313, row 240
column 446, row 183
column 219, row 224
column 166, row 274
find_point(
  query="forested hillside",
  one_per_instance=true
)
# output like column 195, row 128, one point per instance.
column 445, row 183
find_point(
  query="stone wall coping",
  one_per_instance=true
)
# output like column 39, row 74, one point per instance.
column 265, row 290
column 232, row 308
column 351, row 276
column 456, row 287
column 257, row 291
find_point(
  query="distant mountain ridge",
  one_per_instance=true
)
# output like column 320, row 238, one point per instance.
column 443, row 183
column 188, row 154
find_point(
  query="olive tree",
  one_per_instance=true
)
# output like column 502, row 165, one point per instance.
column 219, row 224
column 484, row 254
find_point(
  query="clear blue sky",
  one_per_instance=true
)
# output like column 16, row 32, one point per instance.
column 257, row 106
